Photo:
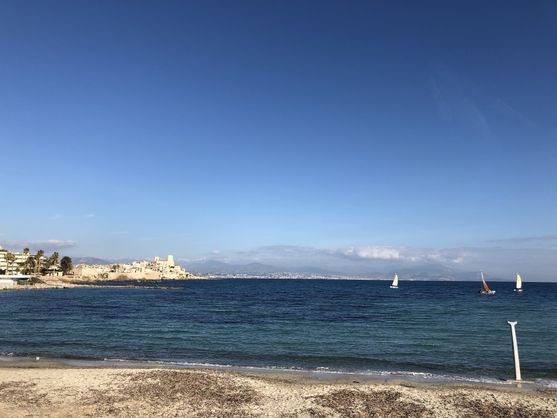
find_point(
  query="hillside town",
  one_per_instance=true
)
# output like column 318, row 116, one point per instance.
column 24, row 269
column 156, row 269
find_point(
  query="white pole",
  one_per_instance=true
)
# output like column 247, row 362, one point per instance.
column 515, row 351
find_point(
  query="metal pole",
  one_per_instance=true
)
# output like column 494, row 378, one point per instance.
column 515, row 351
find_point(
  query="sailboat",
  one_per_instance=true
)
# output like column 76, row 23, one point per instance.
column 394, row 285
column 518, row 287
column 485, row 290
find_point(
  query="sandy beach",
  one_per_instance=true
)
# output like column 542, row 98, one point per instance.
column 55, row 391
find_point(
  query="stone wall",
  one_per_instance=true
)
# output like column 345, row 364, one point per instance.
column 148, row 275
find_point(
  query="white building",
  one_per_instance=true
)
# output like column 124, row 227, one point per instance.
column 12, row 280
column 7, row 281
column 17, row 265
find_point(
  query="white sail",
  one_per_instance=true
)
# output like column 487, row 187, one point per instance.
column 518, row 281
column 395, row 281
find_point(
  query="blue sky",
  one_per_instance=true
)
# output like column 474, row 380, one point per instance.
column 212, row 129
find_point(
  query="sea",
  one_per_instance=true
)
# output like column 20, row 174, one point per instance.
column 437, row 329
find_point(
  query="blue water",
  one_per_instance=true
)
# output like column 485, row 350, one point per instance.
column 444, row 328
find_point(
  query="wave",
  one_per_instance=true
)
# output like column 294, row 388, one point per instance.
column 320, row 373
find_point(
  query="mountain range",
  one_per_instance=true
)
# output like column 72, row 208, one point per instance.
column 429, row 271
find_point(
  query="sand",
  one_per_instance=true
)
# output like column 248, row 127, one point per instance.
column 55, row 391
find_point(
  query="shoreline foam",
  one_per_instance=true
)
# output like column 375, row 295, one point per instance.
column 315, row 375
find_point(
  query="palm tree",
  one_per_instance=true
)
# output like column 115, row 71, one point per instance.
column 10, row 260
column 29, row 265
column 38, row 260
column 53, row 260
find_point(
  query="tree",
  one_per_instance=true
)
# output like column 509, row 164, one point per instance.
column 53, row 260
column 66, row 264
column 10, row 259
column 38, row 261
column 26, row 251
column 29, row 266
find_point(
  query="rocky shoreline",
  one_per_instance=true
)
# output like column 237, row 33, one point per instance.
column 50, row 283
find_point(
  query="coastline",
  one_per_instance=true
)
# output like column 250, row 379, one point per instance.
column 83, row 383
column 57, row 388
column 85, row 283
column 70, row 285
column 310, row 375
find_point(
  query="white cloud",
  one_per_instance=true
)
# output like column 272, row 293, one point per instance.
column 46, row 245
column 459, row 102
column 89, row 215
column 370, row 260
column 535, row 263
column 56, row 216
column 370, row 253
column 506, row 109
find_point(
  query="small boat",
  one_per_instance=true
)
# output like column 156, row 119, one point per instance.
column 485, row 290
column 518, row 287
column 394, row 285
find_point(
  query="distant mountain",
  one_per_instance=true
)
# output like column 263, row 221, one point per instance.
column 94, row 260
column 219, row 267
column 427, row 271
column 430, row 271
column 89, row 260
